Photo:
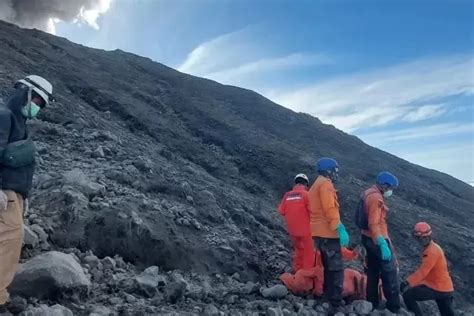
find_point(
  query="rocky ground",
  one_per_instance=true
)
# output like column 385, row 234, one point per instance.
column 158, row 190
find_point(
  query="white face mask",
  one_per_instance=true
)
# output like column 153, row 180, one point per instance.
column 388, row 193
column 30, row 110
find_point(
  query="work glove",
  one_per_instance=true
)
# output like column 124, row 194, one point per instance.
column 384, row 248
column 404, row 286
column 343, row 235
column 3, row 201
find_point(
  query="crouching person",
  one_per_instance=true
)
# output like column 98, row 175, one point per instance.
column 432, row 280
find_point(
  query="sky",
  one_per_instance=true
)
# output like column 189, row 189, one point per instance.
column 397, row 74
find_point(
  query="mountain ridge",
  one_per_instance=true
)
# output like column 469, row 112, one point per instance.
column 185, row 135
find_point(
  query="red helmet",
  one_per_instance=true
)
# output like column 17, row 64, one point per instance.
column 422, row 229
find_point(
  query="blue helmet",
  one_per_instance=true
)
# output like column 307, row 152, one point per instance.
column 386, row 178
column 327, row 164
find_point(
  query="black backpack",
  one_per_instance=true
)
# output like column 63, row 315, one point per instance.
column 361, row 216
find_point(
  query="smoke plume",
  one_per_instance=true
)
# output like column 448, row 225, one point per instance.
column 44, row 14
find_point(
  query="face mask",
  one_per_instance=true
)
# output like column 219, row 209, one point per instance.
column 30, row 110
column 388, row 193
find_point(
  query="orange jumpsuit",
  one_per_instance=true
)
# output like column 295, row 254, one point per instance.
column 312, row 280
column 433, row 271
column 377, row 213
column 324, row 207
column 294, row 207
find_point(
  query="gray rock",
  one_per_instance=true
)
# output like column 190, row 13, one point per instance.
column 174, row 291
column 17, row 305
column 404, row 312
column 30, row 239
column 98, row 153
column 286, row 312
column 148, row 281
column 44, row 310
column 250, row 288
column 130, row 298
column 210, row 310
column 274, row 292
column 44, row 181
column 48, row 274
column 108, row 263
column 92, row 260
column 77, row 179
column 274, row 311
column 101, row 311
column 38, row 230
column 311, row 303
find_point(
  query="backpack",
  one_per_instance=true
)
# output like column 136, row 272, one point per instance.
column 361, row 219
column 361, row 215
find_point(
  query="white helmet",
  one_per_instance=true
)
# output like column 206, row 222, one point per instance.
column 39, row 85
column 302, row 176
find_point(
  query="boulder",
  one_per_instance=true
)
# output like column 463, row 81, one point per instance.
column 274, row 311
column 101, row 311
column 98, row 153
column 44, row 310
column 148, row 281
column 274, row 292
column 174, row 291
column 50, row 275
column 362, row 307
column 39, row 231
column 211, row 310
column 30, row 239
column 17, row 305
column 77, row 179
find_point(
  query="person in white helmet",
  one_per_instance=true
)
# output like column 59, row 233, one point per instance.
column 17, row 163
column 294, row 207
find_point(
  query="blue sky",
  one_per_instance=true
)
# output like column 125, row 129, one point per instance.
column 398, row 74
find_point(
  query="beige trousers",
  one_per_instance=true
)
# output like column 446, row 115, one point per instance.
column 11, row 239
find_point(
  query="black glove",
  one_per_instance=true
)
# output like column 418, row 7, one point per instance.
column 404, row 286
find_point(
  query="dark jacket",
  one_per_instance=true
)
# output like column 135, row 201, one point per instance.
column 13, row 128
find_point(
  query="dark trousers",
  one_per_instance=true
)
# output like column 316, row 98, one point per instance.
column 424, row 293
column 331, row 256
column 381, row 269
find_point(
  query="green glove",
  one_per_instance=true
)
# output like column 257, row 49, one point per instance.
column 384, row 248
column 343, row 235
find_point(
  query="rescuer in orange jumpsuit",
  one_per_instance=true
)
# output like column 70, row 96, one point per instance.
column 381, row 260
column 328, row 232
column 294, row 207
column 312, row 280
column 432, row 280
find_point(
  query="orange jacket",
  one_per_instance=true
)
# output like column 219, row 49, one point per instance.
column 433, row 271
column 312, row 280
column 376, row 213
column 324, row 207
column 295, row 208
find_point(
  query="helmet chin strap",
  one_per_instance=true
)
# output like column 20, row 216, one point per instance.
column 29, row 100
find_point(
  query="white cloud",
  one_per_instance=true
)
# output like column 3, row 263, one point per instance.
column 227, row 50
column 238, row 57
column 385, row 95
column 426, row 112
column 240, row 73
column 412, row 133
column 45, row 14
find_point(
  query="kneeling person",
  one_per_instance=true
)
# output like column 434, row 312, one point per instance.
column 432, row 280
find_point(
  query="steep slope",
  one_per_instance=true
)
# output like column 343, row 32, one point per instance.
column 192, row 169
